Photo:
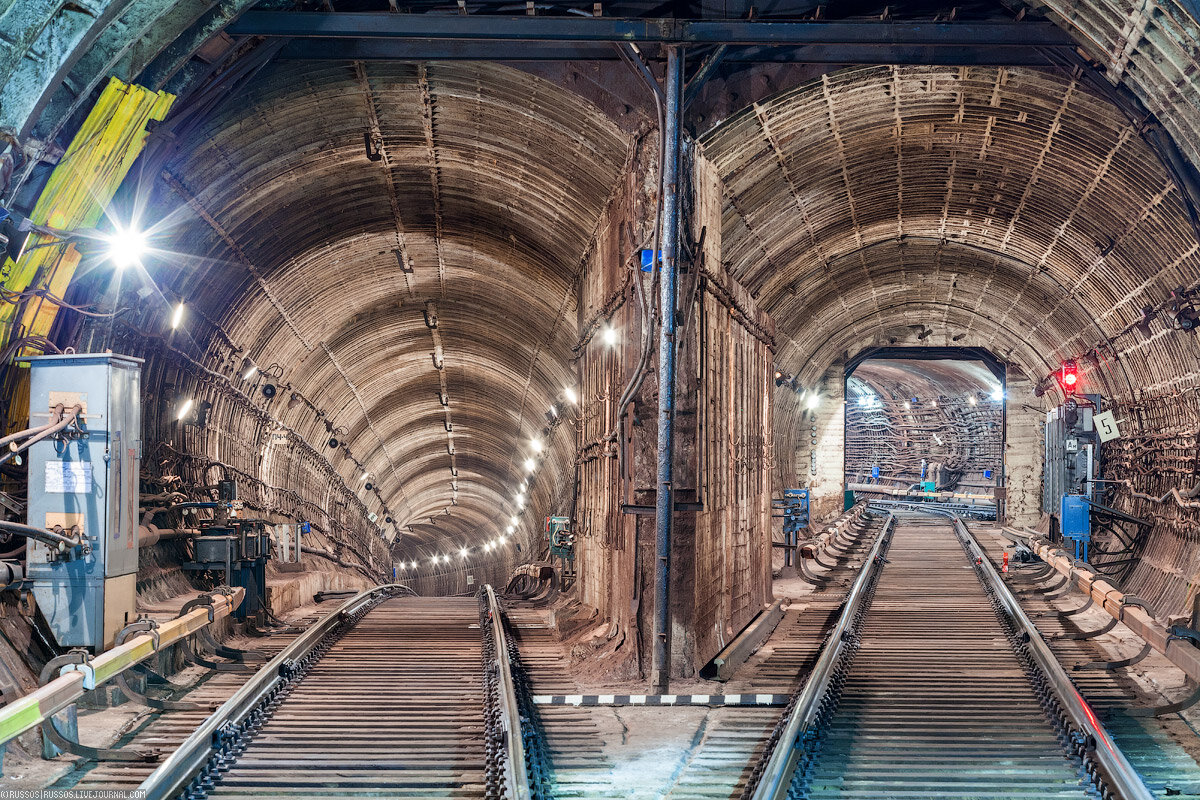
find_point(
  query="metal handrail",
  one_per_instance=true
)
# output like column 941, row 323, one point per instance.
column 174, row 774
column 30, row 710
column 516, row 777
column 777, row 775
column 1119, row 774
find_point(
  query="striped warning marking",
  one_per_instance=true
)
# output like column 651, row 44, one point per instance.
column 661, row 699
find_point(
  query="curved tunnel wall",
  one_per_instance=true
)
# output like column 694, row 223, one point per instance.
column 1023, row 184
column 424, row 299
column 1011, row 209
column 413, row 298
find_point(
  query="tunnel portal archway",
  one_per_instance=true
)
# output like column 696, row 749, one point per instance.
column 923, row 419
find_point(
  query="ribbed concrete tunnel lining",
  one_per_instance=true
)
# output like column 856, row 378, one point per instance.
column 1012, row 209
column 1013, row 204
column 488, row 189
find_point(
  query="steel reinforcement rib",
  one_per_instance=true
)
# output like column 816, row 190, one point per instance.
column 934, row 683
column 389, row 696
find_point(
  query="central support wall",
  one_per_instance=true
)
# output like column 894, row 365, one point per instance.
column 720, row 558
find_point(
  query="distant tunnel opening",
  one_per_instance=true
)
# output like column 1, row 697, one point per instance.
column 924, row 420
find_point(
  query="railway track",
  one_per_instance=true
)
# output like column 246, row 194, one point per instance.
column 934, row 685
column 164, row 731
column 389, row 696
column 922, row 679
column 602, row 752
column 1163, row 750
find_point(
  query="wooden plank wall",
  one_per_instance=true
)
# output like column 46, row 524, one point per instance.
column 721, row 553
column 734, row 368
column 606, row 538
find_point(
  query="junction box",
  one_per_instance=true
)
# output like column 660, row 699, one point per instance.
column 87, row 476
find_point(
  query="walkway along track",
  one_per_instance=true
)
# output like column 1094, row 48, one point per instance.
column 393, row 696
column 935, row 684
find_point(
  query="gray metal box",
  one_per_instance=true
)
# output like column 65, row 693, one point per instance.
column 92, row 481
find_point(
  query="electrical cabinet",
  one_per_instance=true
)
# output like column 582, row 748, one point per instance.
column 1076, row 523
column 1072, row 456
column 87, row 475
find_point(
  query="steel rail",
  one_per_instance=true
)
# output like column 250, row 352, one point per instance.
column 516, row 777
column 30, row 710
column 174, row 774
column 776, row 780
column 1118, row 773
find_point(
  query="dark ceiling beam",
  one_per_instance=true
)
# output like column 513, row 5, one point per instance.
column 405, row 50
column 873, row 33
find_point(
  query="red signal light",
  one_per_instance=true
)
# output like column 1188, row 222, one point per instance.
column 1068, row 376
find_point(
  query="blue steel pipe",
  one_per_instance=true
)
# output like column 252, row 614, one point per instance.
column 664, row 500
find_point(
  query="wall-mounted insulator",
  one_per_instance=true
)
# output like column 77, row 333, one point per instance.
column 449, row 426
column 439, row 360
column 431, row 319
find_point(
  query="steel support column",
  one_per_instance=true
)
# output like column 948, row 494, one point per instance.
column 664, row 501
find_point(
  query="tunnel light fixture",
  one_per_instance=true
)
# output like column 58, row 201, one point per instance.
column 530, row 465
column 184, row 409
column 463, row 552
column 177, row 317
column 126, row 247
column 907, row 406
column 514, row 522
column 487, row 548
column 537, row 444
column 972, row 400
column 445, row 558
column 813, row 401
column 413, row 564
column 998, row 395
column 503, row 540
column 433, row 560
column 609, row 335
column 569, row 393
column 250, row 371
column 933, row 403
column 524, row 485
column 512, row 527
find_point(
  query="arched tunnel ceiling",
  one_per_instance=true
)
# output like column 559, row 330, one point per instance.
column 900, row 378
column 1058, row 163
column 1009, row 208
column 488, row 190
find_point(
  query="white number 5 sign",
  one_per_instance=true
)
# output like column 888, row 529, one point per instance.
column 1106, row 426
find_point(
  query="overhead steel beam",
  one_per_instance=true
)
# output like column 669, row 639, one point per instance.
column 649, row 31
column 452, row 50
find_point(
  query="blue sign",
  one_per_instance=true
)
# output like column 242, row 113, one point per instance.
column 875, row 471
column 648, row 260
column 305, row 527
